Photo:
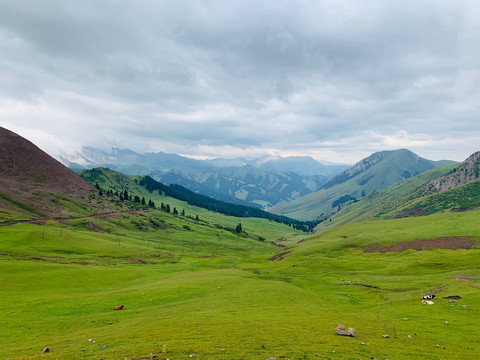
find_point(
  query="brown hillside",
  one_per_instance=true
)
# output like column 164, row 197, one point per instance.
column 31, row 181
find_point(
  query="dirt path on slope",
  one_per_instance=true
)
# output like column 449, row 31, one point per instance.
column 109, row 215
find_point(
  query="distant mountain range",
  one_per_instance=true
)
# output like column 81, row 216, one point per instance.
column 261, row 182
column 387, row 184
column 34, row 186
column 130, row 162
column 376, row 172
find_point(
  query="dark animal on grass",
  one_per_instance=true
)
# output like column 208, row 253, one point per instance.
column 120, row 307
column 428, row 297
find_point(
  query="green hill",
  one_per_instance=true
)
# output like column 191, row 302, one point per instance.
column 149, row 189
column 374, row 173
column 448, row 188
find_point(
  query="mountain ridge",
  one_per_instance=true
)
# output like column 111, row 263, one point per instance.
column 260, row 182
column 376, row 172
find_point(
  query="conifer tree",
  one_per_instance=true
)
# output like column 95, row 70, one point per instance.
column 238, row 229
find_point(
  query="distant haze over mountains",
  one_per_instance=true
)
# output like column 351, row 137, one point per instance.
column 93, row 157
column 260, row 182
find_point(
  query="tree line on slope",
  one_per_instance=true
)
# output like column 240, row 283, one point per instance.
column 181, row 193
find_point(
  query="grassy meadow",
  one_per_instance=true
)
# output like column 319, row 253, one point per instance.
column 196, row 288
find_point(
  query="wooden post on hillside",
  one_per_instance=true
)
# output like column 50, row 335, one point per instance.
column 43, row 234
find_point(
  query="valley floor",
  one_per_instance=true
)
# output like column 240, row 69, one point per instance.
column 192, row 290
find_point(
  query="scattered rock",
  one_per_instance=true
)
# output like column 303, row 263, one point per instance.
column 386, row 336
column 409, row 336
column 446, row 322
column 192, row 355
column 110, row 323
column 272, row 358
column 464, row 306
column 341, row 331
column 46, row 350
column 405, row 319
column 437, row 346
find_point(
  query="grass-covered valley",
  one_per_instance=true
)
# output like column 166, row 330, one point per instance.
column 190, row 288
column 196, row 285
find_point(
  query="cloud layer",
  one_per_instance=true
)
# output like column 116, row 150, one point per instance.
column 335, row 80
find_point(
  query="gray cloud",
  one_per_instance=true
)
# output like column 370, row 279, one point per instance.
column 336, row 79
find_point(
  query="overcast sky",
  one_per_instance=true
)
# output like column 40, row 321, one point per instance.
column 336, row 80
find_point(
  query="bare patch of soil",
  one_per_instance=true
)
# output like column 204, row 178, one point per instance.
column 38, row 222
column 279, row 256
column 95, row 228
column 448, row 243
column 453, row 297
column 464, row 277
column 138, row 261
column 411, row 212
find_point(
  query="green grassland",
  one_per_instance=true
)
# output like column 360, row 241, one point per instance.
column 195, row 287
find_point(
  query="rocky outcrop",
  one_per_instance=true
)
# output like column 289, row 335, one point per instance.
column 341, row 331
column 356, row 169
column 467, row 171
